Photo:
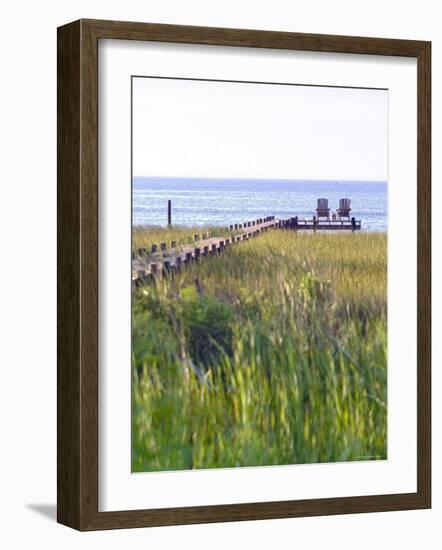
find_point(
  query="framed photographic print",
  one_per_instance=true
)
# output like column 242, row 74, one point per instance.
column 243, row 274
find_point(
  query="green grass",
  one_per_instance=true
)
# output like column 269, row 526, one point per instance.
column 274, row 353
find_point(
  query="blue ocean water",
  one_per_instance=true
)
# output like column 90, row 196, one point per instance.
column 216, row 201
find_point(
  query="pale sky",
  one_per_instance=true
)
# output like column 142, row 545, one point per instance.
column 226, row 129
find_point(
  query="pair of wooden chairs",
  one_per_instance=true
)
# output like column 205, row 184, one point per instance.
column 323, row 211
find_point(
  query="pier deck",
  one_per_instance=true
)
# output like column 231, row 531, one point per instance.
column 324, row 225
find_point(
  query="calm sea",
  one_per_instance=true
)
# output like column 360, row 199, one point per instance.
column 216, row 201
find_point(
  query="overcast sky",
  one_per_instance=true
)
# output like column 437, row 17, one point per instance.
column 218, row 129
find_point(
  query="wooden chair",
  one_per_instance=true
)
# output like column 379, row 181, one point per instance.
column 322, row 211
column 344, row 208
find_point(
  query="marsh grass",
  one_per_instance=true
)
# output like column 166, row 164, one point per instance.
column 274, row 353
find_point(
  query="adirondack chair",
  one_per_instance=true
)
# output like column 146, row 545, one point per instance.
column 322, row 211
column 344, row 208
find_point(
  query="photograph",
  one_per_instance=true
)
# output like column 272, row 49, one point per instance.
column 258, row 273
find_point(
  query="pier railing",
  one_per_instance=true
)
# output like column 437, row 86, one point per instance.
column 315, row 224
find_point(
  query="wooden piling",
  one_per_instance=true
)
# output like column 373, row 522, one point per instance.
column 169, row 212
column 154, row 248
column 162, row 247
column 153, row 269
column 166, row 266
column 197, row 253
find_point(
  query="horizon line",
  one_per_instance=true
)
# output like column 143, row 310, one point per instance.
column 264, row 178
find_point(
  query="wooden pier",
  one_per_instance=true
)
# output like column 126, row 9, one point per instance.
column 300, row 224
column 153, row 263
column 163, row 260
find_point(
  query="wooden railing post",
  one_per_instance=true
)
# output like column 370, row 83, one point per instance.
column 153, row 269
column 166, row 266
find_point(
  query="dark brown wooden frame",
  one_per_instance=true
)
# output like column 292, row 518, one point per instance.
column 77, row 458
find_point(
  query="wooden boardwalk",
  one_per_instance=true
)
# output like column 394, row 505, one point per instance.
column 154, row 263
column 161, row 260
